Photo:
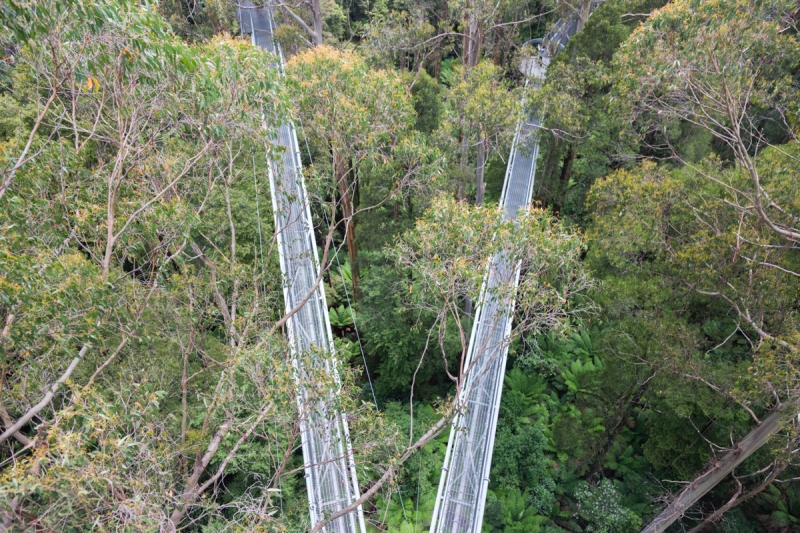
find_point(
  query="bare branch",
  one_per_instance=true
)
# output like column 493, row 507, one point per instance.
column 33, row 411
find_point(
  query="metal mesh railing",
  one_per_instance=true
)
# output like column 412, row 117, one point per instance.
column 329, row 469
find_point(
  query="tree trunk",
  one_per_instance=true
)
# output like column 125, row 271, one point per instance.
column 583, row 14
column 738, row 498
column 718, row 471
column 461, row 193
column 436, row 64
column 480, row 185
column 110, row 214
column 560, row 188
column 473, row 41
column 495, row 37
column 341, row 169
column 468, row 305
column 566, row 168
column 548, row 169
column 316, row 9
column 356, row 186
column 442, row 27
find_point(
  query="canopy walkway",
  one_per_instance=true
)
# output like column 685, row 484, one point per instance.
column 465, row 475
column 461, row 496
column 329, row 468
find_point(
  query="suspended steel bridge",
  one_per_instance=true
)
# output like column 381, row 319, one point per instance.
column 330, row 472
column 461, row 497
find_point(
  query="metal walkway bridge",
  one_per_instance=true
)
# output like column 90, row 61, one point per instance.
column 328, row 461
column 461, row 496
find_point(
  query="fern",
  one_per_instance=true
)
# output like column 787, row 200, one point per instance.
column 341, row 317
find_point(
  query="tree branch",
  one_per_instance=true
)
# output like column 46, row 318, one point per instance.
column 715, row 473
column 311, row 33
column 738, row 498
column 9, row 422
column 33, row 411
column 21, row 159
column 192, row 489
column 279, row 324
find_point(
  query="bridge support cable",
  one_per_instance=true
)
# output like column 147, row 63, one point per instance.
column 330, row 472
column 464, row 482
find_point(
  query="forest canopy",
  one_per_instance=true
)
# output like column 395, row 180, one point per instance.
column 148, row 380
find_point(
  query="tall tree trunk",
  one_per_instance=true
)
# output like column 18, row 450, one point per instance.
column 473, row 41
column 356, row 186
column 436, row 64
column 718, row 471
column 566, row 168
column 561, row 188
column 480, row 167
column 497, row 55
column 547, row 171
column 442, row 27
column 468, row 305
column 738, row 497
column 478, row 192
column 584, row 11
column 461, row 193
column 341, row 170
column 316, row 9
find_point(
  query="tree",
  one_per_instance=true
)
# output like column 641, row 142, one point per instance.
column 144, row 380
column 197, row 21
column 721, row 68
column 482, row 22
column 481, row 106
column 314, row 32
column 687, row 232
column 401, row 38
column 109, row 252
column 581, row 138
column 446, row 262
column 355, row 117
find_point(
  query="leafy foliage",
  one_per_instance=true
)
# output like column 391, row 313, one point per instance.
column 141, row 297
